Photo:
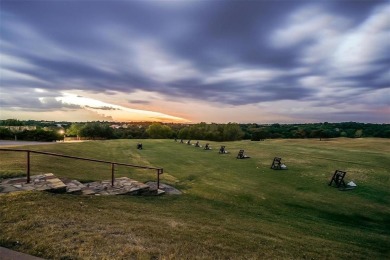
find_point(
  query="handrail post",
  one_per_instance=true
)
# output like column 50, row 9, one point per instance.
column 28, row 166
column 158, row 179
column 159, row 171
column 112, row 174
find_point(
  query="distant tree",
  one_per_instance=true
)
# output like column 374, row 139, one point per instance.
column 6, row 134
column 96, row 130
column 385, row 134
column 11, row 122
column 343, row 134
column 184, row 133
column 325, row 134
column 299, row 133
column 131, row 131
column 315, row 133
column 350, row 132
column 359, row 133
column 38, row 135
column 195, row 132
column 259, row 134
column 214, row 132
column 74, row 130
column 159, row 131
column 248, row 130
column 232, row 132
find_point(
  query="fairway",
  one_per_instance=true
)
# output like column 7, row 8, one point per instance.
column 229, row 209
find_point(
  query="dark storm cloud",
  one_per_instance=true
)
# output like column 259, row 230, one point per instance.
column 229, row 52
column 235, row 32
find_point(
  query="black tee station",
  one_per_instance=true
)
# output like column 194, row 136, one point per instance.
column 277, row 163
column 338, row 179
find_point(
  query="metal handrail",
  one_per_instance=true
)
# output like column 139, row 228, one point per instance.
column 159, row 170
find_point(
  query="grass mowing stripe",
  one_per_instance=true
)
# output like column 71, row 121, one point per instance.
column 330, row 159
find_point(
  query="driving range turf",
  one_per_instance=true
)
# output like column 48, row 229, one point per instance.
column 229, row 209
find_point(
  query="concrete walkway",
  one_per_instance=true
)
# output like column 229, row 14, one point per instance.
column 7, row 143
column 8, row 254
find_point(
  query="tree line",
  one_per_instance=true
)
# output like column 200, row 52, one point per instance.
column 50, row 131
column 317, row 130
column 213, row 132
column 30, row 135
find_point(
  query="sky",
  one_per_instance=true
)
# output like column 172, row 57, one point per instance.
column 195, row 61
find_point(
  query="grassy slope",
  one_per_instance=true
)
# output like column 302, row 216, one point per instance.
column 230, row 208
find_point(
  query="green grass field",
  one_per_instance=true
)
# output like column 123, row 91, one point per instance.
column 230, row 209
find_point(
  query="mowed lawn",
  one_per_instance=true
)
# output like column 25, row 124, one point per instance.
column 230, row 208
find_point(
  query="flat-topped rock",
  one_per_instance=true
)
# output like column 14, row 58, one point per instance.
column 122, row 186
column 43, row 182
column 73, row 186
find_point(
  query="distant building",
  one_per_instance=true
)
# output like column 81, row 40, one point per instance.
column 115, row 126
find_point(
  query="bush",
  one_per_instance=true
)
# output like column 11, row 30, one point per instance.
column 6, row 134
column 38, row 135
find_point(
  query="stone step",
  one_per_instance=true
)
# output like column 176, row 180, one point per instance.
column 122, row 186
column 43, row 182
column 73, row 186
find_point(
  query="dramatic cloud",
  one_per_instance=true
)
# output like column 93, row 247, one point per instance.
column 297, row 60
column 117, row 113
